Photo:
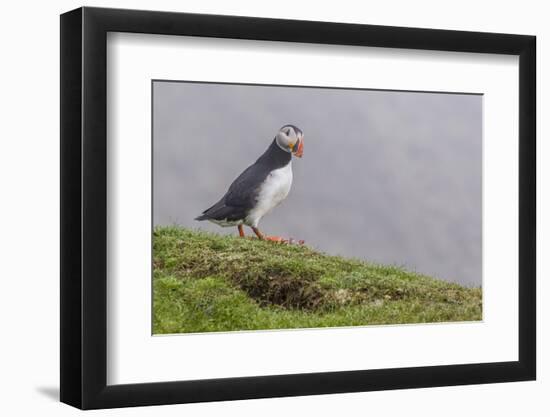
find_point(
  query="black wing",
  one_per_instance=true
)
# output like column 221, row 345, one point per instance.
column 241, row 196
column 243, row 192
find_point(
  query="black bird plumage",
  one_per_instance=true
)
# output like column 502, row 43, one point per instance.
column 241, row 197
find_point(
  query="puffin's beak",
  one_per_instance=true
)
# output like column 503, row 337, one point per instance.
column 299, row 148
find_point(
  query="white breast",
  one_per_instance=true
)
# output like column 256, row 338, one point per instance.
column 273, row 191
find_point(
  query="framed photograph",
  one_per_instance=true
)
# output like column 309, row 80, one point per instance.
column 258, row 208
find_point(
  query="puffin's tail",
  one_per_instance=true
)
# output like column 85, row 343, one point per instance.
column 207, row 214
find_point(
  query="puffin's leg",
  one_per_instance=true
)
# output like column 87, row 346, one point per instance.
column 241, row 230
column 261, row 236
column 258, row 233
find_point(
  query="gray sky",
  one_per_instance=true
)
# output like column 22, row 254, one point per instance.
column 389, row 177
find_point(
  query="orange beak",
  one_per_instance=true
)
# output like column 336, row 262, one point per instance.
column 300, row 148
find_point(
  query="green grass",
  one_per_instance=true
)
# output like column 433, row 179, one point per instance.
column 205, row 282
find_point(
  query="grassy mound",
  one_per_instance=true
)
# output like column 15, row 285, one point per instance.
column 204, row 282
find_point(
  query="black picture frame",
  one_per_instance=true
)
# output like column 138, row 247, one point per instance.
column 84, row 207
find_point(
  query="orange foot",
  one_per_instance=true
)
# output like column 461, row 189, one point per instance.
column 276, row 239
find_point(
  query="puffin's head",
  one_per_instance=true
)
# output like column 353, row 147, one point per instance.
column 291, row 139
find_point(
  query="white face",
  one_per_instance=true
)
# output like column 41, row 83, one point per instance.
column 291, row 139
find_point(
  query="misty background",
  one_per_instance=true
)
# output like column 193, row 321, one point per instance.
column 390, row 177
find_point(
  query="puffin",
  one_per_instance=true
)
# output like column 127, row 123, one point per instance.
column 261, row 187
